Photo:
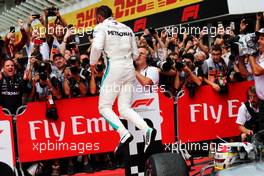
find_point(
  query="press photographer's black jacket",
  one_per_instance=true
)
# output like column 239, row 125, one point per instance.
column 11, row 91
column 256, row 123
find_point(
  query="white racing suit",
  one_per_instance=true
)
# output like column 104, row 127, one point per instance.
column 118, row 44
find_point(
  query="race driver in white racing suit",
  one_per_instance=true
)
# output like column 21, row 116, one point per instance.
column 117, row 43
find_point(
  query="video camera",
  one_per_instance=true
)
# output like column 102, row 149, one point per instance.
column 243, row 44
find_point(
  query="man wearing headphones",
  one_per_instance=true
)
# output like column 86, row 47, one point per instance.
column 117, row 43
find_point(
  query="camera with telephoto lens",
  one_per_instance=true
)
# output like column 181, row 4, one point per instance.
column 165, row 65
column 180, row 65
column 22, row 61
column 73, row 84
column 73, row 60
column 85, row 63
column 75, row 70
column 52, row 11
column 72, row 64
column 198, row 63
column 42, row 71
column 86, row 68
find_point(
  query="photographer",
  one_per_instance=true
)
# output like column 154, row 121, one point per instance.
column 43, row 85
column 200, row 65
column 92, row 81
column 33, row 61
column 20, row 62
column 217, row 71
column 54, row 37
column 186, row 75
column 58, row 67
column 34, row 38
column 234, row 74
column 248, row 118
column 74, row 85
column 147, row 76
column 168, row 73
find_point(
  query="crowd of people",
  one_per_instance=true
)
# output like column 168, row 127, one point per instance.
column 51, row 67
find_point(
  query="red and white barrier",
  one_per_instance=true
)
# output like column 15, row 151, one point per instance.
column 80, row 129
column 209, row 115
column 7, row 152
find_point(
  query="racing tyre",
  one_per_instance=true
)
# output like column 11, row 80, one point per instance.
column 166, row 164
column 6, row 170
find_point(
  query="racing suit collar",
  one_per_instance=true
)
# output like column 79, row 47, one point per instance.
column 110, row 18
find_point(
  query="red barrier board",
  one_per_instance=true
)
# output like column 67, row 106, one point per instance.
column 79, row 130
column 209, row 115
column 7, row 152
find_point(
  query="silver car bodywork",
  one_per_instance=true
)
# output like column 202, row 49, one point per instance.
column 249, row 169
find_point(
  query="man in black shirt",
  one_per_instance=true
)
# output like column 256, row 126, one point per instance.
column 12, row 87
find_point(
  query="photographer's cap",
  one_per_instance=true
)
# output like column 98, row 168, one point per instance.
column 260, row 32
column 57, row 55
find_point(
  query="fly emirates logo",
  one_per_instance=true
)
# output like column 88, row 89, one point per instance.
column 216, row 112
column 78, row 125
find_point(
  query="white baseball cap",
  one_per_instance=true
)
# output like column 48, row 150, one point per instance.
column 260, row 32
